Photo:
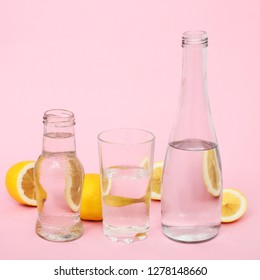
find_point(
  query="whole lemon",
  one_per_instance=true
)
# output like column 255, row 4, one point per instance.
column 91, row 205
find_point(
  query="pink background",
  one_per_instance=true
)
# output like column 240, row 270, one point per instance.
column 117, row 63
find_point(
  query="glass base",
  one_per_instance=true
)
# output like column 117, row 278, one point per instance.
column 191, row 234
column 125, row 234
column 59, row 234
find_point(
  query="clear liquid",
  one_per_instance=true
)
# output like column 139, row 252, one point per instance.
column 190, row 213
column 58, row 212
column 126, row 203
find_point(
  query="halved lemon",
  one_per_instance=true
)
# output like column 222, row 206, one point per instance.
column 157, row 180
column 234, row 205
column 91, row 204
column 74, row 185
column 212, row 172
column 19, row 182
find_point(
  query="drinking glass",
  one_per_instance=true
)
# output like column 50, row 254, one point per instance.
column 126, row 165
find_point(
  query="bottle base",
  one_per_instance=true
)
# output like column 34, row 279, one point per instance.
column 191, row 234
column 59, row 234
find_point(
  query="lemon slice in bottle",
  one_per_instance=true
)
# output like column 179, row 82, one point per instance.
column 74, row 184
column 211, row 172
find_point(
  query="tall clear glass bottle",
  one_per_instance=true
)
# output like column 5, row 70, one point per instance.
column 58, row 177
column 192, row 178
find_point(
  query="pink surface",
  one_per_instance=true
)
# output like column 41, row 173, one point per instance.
column 118, row 64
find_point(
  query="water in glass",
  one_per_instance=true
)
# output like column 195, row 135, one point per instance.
column 126, row 203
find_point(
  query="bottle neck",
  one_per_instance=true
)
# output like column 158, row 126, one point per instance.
column 194, row 117
column 58, row 136
column 194, row 71
column 59, row 140
column 194, row 75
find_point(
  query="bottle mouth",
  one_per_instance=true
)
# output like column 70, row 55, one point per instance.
column 58, row 118
column 195, row 38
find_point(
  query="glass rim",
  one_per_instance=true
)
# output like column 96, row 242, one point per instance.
column 99, row 136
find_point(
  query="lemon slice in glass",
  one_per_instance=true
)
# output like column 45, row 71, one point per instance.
column 106, row 185
column 156, row 178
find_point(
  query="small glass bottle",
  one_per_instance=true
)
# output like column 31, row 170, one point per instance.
column 58, row 177
column 192, row 178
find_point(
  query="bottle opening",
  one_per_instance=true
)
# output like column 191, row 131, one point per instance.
column 195, row 38
column 58, row 118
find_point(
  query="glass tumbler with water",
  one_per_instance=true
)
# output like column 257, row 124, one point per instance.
column 58, row 177
column 126, row 165
column 192, row 179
